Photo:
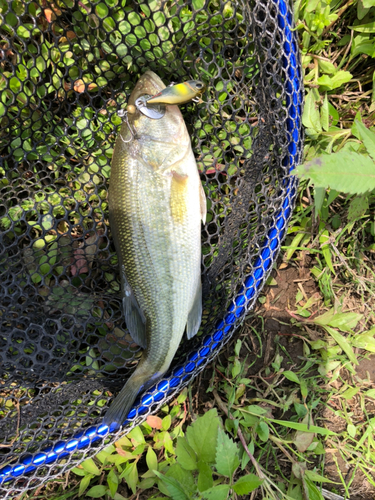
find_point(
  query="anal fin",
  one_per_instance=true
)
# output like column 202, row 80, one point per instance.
column 195, row 314
column 134, row 317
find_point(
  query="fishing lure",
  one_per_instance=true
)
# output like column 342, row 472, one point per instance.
column 178, row 94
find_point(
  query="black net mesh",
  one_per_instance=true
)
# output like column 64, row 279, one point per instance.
column 67, row 68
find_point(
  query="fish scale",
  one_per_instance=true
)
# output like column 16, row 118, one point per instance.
column 156, row 202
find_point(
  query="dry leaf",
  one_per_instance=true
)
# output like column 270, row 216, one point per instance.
column 154, row 422
column 50, row 15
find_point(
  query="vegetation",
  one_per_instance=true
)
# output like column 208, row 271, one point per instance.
column 284, row 413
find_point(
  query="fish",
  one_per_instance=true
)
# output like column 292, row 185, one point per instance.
column 178, row 94
column 156, row 204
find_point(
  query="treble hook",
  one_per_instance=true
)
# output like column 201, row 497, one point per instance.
column 124, row 114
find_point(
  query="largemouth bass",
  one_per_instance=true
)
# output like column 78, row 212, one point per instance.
column 156, row 203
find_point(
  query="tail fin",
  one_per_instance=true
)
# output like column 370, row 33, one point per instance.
column 121, row 406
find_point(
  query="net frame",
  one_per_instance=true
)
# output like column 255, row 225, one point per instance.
column 91, row 440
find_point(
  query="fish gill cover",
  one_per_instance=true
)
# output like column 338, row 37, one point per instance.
column 67, row 68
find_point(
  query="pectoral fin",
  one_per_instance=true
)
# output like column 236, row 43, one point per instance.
column 134, row 317
column 202, row 198
column 195, row 314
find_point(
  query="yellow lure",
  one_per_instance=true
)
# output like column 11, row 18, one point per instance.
column 178, row 94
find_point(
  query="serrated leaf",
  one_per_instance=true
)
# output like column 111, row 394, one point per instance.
column 184, row 477
column 97, row 491
column 247, row 484
column 186, row 456
column 291, row 376
column 202, row 436
column 219, row 492
column 90, row 466
column 358, row 207
column 175, row 489
column 344, row 171
column 227, row 454
column 205, row 480
column 151, row 459
column 343, row 343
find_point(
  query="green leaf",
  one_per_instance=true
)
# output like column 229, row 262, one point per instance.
column 314, row 476
column 303, row 440
column 175, row 489
column 97, row 491
column 219, row 492
column 130, row 474
column 79, row 472
column 319, row 195
column 344, row 171
column 184, row 477
column 324, row 114
column 291, row 376
column 326, row 249
column 352, row 430
column 186, row 456
column 310, row 117
column 83, row 485
column 345, row 321
column 365, row 340
column 227, row 454
column 364, row 28
column 350, row 393
column 90, row 466
column 304, row 427
column 340, row 78
column 151, row 459
column 368, row 138
column 343, row 343
column 202, row 436
column 370, row 393
column 263, row 431
column 358, row 207
column 205, row 480
column 247, row 484
column 113, row 481
column 312, row 492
